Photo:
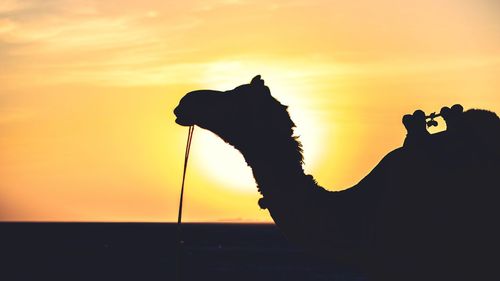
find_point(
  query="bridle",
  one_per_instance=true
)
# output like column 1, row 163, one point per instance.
column 179, row 216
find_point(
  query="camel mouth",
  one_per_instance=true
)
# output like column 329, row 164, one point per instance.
column 183, row 122
column 181, row 119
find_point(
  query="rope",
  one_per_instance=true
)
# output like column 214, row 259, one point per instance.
column 179, row 217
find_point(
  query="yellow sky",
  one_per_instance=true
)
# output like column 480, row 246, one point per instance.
column 87, row 90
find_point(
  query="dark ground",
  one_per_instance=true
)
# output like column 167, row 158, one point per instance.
column 147, row 251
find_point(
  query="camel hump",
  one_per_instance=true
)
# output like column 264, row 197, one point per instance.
column 466, row 129
column 482, row 118
column 482, row 128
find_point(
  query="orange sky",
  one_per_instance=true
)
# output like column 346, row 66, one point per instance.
column 87, row 90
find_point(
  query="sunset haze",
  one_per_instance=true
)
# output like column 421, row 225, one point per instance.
column 88, row 88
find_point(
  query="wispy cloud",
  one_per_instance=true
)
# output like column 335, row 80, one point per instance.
column 116, row 42
column 8, row 6
column 83, row 40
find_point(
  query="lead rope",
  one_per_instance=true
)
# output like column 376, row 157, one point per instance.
column 179, row 217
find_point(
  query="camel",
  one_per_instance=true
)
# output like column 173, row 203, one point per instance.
column 428, row 211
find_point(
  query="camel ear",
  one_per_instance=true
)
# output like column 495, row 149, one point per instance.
column 257, row 81
column 258, row 84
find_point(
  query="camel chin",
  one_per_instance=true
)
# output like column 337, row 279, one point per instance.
column 183, row 122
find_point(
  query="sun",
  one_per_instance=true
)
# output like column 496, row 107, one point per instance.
column 222, row 163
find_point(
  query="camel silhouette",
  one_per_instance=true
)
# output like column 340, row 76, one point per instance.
column 428, row 211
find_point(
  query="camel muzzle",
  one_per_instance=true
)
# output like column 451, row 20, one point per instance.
column 181, row 119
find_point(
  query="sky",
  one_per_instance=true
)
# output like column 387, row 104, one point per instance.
column 87, row 90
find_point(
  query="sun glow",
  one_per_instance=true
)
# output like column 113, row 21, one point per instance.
column 222, row 163
column 87, row 90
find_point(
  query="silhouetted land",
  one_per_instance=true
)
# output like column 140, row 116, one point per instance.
column 147, row 251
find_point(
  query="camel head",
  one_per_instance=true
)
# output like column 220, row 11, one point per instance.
column 241, row 116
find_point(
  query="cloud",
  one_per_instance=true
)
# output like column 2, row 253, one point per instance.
column 6, row 26
column 114, row 42
column 8, row 6
column 79, row 40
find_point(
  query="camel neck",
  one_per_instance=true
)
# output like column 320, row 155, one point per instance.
column 277, row 172
column 277, row 165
